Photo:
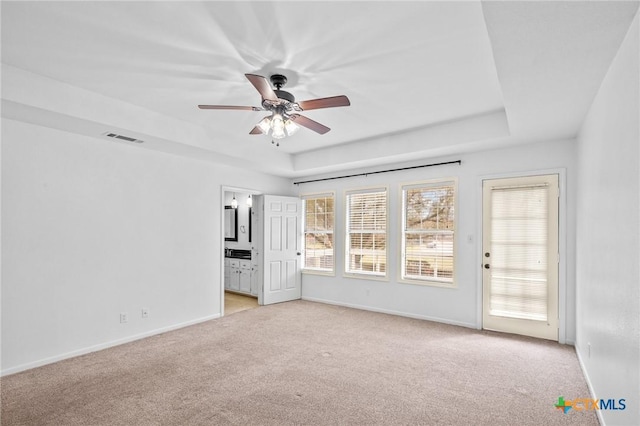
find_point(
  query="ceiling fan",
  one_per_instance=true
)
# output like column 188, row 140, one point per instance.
column 284, row 119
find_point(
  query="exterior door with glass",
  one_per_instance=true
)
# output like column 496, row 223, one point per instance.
column 520, row 255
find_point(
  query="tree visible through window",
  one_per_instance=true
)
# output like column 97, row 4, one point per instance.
column 318, row 232
column 366, row 234
column 428, row 231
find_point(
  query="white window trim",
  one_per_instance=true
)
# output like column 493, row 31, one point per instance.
column 430, row 282
column 313, row 271
column 364, row 274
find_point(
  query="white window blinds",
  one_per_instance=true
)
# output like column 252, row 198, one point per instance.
column 318, row 232
column 519, row 241
column 366, row 248
column 428, row 231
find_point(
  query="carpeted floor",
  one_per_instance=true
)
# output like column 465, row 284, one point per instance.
column 310, row 364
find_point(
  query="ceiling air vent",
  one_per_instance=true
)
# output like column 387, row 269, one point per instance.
column 124, row 138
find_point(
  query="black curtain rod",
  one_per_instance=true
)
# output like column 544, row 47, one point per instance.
column 379, row 171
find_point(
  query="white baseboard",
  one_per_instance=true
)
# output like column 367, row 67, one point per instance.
column 101, row 346
column 592, row 392
column 391, row 312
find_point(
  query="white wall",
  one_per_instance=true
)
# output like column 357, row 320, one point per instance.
column 92, row 228
column 459, row 305
column 608, row 276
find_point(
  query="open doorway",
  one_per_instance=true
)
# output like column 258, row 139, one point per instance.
column 239, row 259
column 261, row 248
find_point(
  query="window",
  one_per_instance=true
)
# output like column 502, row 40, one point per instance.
column 428, row 229
column 366, row 232
column 318, row 232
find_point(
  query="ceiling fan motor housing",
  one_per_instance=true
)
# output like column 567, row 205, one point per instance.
column 278, row 81
column 284, row 95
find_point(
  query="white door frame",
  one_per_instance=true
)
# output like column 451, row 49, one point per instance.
column 223, row 190
column 562, row 244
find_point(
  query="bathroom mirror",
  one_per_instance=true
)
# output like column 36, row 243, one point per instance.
column 230, row 224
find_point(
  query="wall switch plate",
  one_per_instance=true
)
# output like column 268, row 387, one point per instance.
column 124, row 317
column 145, row 312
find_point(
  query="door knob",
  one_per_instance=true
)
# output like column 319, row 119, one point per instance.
column 486, row 266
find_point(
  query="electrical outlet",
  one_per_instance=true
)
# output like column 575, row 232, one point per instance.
column 124, row 317
column 145, row 312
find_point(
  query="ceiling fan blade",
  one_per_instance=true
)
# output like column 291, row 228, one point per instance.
column 262, row 85
column 334, row 101
column 244, row 108
column 309, row 123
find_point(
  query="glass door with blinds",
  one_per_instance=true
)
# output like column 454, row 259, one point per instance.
column 520, row 255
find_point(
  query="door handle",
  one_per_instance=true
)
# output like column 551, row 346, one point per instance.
column 298, row 253
column 486, row 266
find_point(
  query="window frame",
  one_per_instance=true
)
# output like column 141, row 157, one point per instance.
column 313, row 196
column 376, row 276
column 427, row 281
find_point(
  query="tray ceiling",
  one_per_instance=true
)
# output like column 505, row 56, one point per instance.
column 424, row 78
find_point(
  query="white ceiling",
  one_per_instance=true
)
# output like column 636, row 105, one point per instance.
column 424, row 78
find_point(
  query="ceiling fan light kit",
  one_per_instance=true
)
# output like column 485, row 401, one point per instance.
column 284, row 119
column 279, row 124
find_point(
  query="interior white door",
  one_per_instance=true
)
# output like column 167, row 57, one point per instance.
column 282, row 239
column 520, row 255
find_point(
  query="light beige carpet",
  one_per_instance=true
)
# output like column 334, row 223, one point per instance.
column 309, row 364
